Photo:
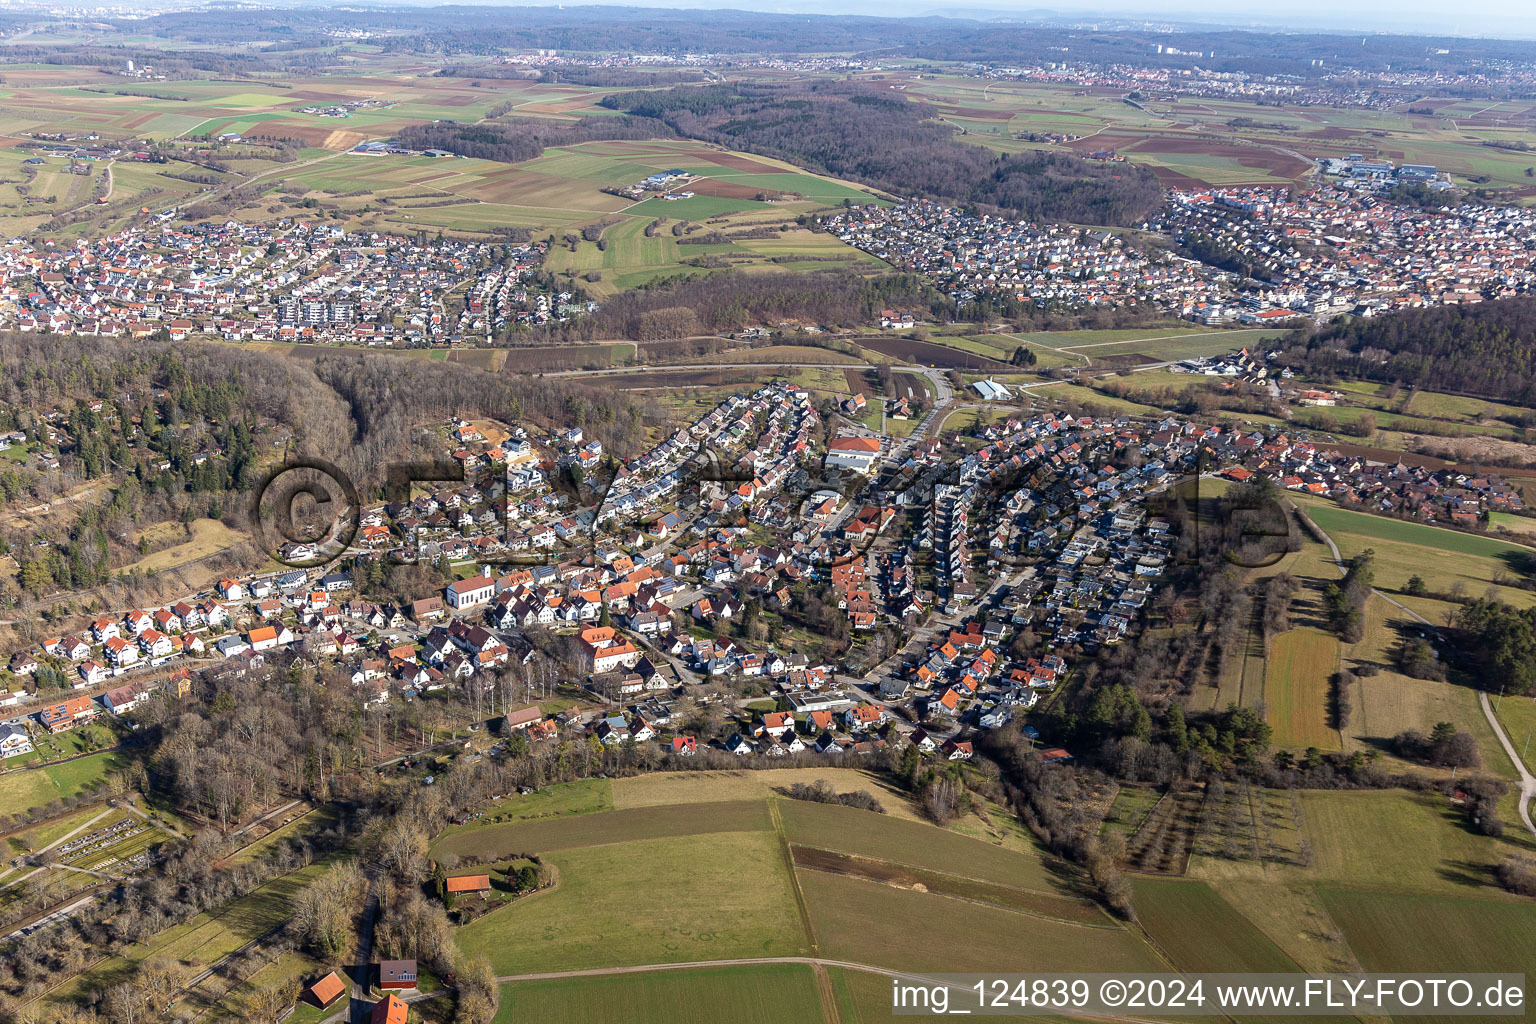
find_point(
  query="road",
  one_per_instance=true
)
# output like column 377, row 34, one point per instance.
column 1527, row 781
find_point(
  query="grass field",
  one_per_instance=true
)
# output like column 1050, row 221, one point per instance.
column 34, row 787
column 208, row 537
column 46, row 834
column 662, row 788
column 1200, row 931
column 1523, row 525
column 866, row 834
column 1296, row 688
column 661, row 900
column 1443, row 558
column 585, row 796
column 1401, row 932
column 757, row 994
column 1387, row 840
column 852, row 919
column 206, row 937
column 494, row 842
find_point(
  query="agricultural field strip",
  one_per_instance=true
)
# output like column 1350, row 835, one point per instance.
column 942, row 877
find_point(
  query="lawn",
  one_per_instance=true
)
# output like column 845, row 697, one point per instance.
column 49, row 832
column 34, row 787
column 755, row 994
column 648, row 901
column 494, row 842
column 1296, row 688
column 1201, row 932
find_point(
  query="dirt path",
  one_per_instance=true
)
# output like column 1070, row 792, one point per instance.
column 1527, row 781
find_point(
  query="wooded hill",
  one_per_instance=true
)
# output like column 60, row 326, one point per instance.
column 515, row 139
column 871, row 135
column 1486, row 349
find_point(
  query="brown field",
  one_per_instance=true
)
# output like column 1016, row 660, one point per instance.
column 924, row 352
column 737, row 162
column 723, row 189
column 655, row 379
column 544, row 358
column 858, row 383
column 978, row 113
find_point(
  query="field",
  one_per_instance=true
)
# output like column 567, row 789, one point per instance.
column 1197, row 141
column 756, row 994
column 662, row 788
column 1391, row 841
column 1200, row 931
column 558, row 190
column 776, row 877
column 649, row 901
column 208, row 536
column 1338, row 859
column 35, row 787
column 1436, row 933
column 206, row 937
column 852, row 919
column 494, row 842
column 1296, row 688
column 849, row 830
column 1444, row 559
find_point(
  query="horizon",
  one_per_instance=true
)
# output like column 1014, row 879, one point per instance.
column 1482, row 19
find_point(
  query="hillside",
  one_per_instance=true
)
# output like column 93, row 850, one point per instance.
column 871, row 135
column 1486, row 349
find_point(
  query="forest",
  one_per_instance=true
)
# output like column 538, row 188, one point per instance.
column 513, row 140
column 181, row 430
column 680, row 307
column 869, row 134
column 1483, row 349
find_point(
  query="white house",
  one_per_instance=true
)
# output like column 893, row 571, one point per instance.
column 470, row 592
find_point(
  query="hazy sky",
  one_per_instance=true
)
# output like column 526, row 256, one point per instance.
column 1462, row 17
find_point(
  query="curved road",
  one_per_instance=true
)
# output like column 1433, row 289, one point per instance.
column 1527, row 781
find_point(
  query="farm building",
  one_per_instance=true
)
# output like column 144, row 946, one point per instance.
column 469, row 883
column 991, row 391
column 327, row 990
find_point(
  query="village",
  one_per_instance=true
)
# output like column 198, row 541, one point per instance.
column 283, row 282
column 826, row 600
column 1268, row 256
